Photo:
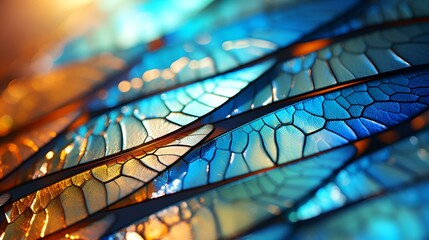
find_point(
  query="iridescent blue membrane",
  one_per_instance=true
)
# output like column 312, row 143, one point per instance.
column 278, row 191
column 359, row 57
column 302, row 129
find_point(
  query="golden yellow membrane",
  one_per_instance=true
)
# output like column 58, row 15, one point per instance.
column 73, row 199
column 138, row 196
column 26, row 99
column 21, row 147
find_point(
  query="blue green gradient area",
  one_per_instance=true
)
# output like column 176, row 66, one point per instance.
column 391, row 167
column 129, row 24
column 399, row 215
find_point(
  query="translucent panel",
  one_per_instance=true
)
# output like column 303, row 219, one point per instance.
column 399, row 215
column 232, row 209
column 303, row 129
column 282, row 137
column 141, row 122
column 257, row 119
column 73, row 199
column 399, row 164
column 220, row 13
column 356, row 58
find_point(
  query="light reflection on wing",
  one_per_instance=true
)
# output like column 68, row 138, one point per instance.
column 17, row 150
column 225, row 212
column 397, row 215
column 356, row 58
column 211, row 215
column 226, row 48
column 73, row 199
column 298, row 164
column 305, row 128
column 141, row 122
column 245, row 149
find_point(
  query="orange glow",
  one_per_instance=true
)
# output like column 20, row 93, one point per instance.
column 167, row 74
column 389, row 136
column 154, row 228
column 361, row 146
column 6, row 123
column 124, row 86
column 151, row 75
column 156, row 44
column 81, row 120
column 12, row 147
column 136, row 83
column 27, row 99
column 418, row 123
column 68, row 149
column 49, row 155
column 179, row 64
column 308, row 47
